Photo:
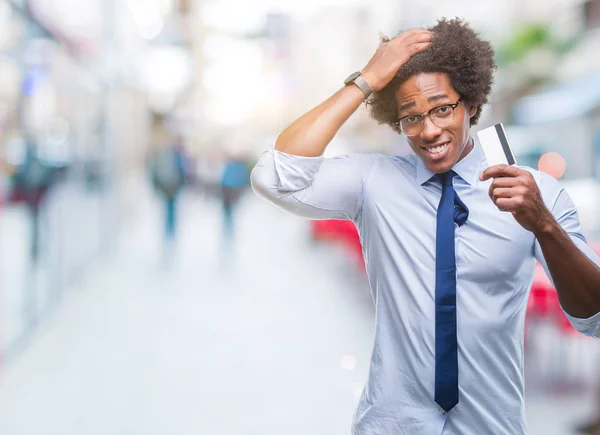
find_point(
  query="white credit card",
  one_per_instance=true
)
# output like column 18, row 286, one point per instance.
column 495, row 146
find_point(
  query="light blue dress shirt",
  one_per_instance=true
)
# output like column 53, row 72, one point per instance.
column 393, row 202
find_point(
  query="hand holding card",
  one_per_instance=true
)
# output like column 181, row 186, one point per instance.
column 495, row 146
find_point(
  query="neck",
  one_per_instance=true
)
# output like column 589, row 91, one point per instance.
column 467, row 149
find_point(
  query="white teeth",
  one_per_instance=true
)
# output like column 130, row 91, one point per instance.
column 436, row 150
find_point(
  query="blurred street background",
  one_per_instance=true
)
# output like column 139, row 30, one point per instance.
column 145, row 290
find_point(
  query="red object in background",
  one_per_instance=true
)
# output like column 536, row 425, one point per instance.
column 340, row 231
column 333, row 230
column 543, row 299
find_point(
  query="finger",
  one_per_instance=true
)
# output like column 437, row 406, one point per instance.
column 505, row 183
column 506, row 204
column 516, row 193
column 423, row 37
column 500, row 171
column 416, row 31
column 410, row 34
column 417, row 48
column 502, row 192
column 514, row 203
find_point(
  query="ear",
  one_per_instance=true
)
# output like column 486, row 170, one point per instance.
column 472, row 111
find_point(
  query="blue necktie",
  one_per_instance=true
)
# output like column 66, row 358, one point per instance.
column 451, row 210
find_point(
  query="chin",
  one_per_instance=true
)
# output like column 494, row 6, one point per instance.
column 438, row 166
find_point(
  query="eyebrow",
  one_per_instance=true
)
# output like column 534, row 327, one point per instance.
column 430, row 100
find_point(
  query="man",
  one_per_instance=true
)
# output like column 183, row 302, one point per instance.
column 234, row 180
column 33, row 181
column 450, row 244
column 168, row 177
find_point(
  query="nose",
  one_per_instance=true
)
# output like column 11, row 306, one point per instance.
column 430, row 131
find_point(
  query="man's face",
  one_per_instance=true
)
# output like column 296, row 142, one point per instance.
column 439, row 147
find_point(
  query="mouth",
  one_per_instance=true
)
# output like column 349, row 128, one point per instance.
column 438, row 151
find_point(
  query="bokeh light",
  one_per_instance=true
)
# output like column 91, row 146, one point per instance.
column 348, row 363
column 553, row 164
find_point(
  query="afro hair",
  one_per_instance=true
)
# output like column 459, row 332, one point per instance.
column 456, row 50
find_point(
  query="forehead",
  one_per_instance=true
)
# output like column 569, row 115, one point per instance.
column 419, row 88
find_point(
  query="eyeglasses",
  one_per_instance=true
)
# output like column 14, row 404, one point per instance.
column 441, row 116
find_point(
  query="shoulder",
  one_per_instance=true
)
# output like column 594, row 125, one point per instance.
column 406, row 164
column 552, row 191
column 369, row 164
column 546, row 183
column 364, row 162
column 406, row 161
column 384, row 161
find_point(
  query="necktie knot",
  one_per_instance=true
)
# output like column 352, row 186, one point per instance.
column 447, row 177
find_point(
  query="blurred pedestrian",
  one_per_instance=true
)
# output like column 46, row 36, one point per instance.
column 450, row 243
column 234, row 181
column 168, row 177
column 32, row 182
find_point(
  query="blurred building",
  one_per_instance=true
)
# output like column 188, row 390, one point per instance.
column 80, row 84
column 561, row 113
column 265, row 66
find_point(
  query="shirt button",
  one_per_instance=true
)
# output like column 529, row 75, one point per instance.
column 442, row 411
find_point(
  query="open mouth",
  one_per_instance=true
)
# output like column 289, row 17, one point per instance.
column 437, row 150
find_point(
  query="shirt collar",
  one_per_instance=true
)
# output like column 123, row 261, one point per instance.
column 467, row 168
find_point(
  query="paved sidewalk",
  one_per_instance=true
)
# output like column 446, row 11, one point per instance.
column 273, row 338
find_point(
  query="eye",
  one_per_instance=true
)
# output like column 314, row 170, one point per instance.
column 443, row 110
column 412, row 119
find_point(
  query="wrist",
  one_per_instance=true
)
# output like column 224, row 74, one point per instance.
column 547, row 228
column 357, row 80
column 371, row 80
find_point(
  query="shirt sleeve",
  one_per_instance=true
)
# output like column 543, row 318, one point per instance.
column 560, row 204
column 313, row 187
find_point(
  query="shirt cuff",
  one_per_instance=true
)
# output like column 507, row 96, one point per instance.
column 295, row 172
column 589, row 326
